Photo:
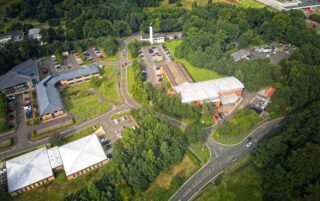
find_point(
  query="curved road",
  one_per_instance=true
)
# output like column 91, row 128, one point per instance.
column 223, row 156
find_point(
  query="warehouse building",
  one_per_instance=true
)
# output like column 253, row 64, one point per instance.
column 36, row 168
column 219, row 91
column 48, row 96
column 21, row 78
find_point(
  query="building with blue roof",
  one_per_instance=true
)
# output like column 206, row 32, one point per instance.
column 48, row 96
column 21, row 78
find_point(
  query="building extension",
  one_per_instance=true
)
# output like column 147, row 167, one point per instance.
column 35, row 168
column 48, row 96
column 21, row 78
column 219, row 91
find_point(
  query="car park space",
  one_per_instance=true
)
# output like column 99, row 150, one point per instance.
column 12, row 122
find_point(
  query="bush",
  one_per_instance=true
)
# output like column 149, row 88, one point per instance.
column 315, row 17
column 56, row 139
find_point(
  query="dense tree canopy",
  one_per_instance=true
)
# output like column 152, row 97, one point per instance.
column 290, row 160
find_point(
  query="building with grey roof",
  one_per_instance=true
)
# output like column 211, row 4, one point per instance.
column 48, row 96
column 11, row 36
column 21, row 78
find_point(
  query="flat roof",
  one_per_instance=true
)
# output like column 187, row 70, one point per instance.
column 81, row 154
column 26, row 71
column 28, row 169
column 54, row 157
column 207, row 90
column 176, row 73
column 48, row 96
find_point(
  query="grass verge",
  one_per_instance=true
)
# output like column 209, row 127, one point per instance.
column 202, row 151
column 6, row 144
column 85, row 132
column 93, row 113
column 107, row 58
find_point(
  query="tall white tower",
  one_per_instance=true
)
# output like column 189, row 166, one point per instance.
column 151, row 34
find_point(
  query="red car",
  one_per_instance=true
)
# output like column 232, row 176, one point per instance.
column 216, row 117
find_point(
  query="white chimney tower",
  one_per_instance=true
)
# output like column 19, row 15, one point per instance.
column 151, row 34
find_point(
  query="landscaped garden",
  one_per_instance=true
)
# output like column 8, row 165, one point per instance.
column 196, row 73
column 89, row 99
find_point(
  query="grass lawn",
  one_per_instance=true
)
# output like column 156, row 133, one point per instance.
column 77, row 99
column 242, row 121
column 109, row 88
column 196, row 73
column 82, row 133
column 242, row 184
column 93, row 113
column 241, row 3
column 165, row 184
column 203, row 153
column 107, row 58
column 130, row 79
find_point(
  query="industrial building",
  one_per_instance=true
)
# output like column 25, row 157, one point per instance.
column 156, row 38
column 21, row 78
column 219, row 91
column 48, row 96
column 36, row 168
column 176, row 73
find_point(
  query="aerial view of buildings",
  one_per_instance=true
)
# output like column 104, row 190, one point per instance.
column 172, row 100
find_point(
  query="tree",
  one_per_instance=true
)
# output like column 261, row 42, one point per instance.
column 110, row 46
column 56, row 139
column 195, row 133
column 95, row 82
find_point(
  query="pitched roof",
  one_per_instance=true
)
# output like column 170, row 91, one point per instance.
column 81, row 154
column 207, row 90
column 14, row 35
column 23, row 72
column 28, row 169
column 48, row 96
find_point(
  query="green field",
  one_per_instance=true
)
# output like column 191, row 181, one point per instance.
column 243, row 184
column 85, row 132
column 196, row 73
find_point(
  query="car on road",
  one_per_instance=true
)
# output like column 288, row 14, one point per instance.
column 249, row 144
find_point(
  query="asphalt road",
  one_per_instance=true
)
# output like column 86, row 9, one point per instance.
column 222, row 156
